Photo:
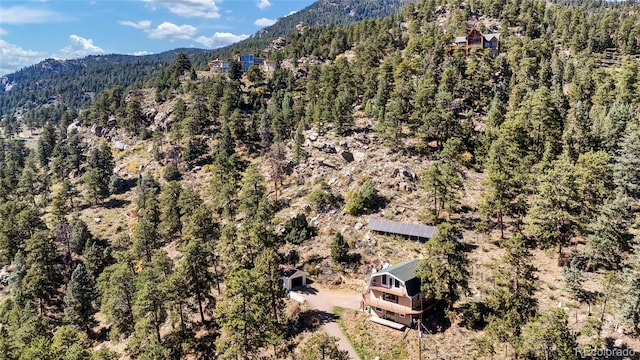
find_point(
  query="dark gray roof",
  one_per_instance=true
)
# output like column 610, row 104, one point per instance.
column 394, row 227
column 404, row 271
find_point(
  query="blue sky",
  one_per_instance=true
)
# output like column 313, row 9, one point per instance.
column 32, row 30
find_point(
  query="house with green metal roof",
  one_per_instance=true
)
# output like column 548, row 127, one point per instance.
column 393, row 295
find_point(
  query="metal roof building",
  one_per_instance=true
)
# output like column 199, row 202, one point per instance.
column 406, row 229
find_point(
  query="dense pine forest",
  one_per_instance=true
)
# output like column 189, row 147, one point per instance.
column 151, row 221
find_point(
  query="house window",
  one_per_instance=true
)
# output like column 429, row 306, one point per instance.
column 384, row 279
column 486, row 44
column 397, row 284
column 494, row 43
column 378, row 309
column 391, row 297
column 402, row 316
column 494, row 51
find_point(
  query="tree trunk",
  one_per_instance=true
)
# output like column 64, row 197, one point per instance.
column 199, row 296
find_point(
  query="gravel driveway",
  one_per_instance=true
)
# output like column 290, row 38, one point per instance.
column 323, row 301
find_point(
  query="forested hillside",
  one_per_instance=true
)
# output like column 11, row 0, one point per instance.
column 71, row 84
column 152, row 223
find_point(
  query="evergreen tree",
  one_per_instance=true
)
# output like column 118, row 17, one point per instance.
column 42, row 278
column 195, row 266
column 339, row 249
column 444, row 269
column 631, row 298
column 322, row 346
column 78, row 300
column 272, row 295
column 241, row 316
column 574, row 279
column 513, row 302
column 608, row 234
column 555, row 207
column 443, row 181
column 626, row 168
column 298, row 151
column 117, row 286
column 149, row 307
column 549, row 336
column 79, row 235
column 18, row 271
column 170, row 226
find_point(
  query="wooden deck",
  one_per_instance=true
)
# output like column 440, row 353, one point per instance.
column 388, row 323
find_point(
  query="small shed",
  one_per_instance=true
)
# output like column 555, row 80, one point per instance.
column 292, row 277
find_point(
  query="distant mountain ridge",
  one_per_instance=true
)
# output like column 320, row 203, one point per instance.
column 73, row 83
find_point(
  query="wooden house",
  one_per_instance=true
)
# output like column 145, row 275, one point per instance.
column 476, row 40
column 393, row 296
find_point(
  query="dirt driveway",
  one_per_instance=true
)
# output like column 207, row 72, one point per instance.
column 323, row 301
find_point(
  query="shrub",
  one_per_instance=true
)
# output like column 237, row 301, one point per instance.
column 366, row 198
column 322, row 198
column 117, row 185
column 297, row 230
column 171, row 173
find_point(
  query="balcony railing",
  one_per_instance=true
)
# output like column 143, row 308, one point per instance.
column 371, row 300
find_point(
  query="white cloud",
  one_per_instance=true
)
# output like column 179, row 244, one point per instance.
column 191, row 8
column 220, row 39
column 263, row 4
column 291, row 12
column 79, row 47
column 264, row 22
column 3, row 31
column 27, row 15
column 13, row 57
column 142, row 53
column 142, row 24
column 172, row 32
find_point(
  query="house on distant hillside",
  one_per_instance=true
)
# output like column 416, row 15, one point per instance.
column 246, row 61
column 475, row 39
column 394, row 297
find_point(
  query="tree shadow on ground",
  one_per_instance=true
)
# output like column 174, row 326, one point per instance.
column 436, row 320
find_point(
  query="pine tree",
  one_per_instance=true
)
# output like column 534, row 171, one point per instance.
column 513, row 301
column 145, row 239
column 339, row 249
column 240, row 317
column 631, row 297
column 298, row 151
column 18, row 271
column 78, row 300
column 608, row 233
column 574, row 278
column 444, row 269
column 322, row 346
column 195, row 266
column 79, row 235
column 149, row 307
column 626, row 168
column 549, row 336
column 553, row 217
column 170, row 226
column 117, row 286
column 272, row 295
column 42, row 279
